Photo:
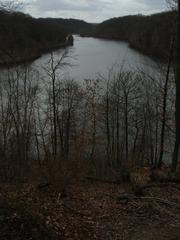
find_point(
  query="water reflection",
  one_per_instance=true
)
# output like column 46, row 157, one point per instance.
column 90, row 57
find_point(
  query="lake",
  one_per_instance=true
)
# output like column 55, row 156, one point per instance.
column 91, row 57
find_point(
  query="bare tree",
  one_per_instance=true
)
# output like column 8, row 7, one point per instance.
column 52, row 69
column 162, row 140
column 92, row 89
column 11, row 5
column 177, row 81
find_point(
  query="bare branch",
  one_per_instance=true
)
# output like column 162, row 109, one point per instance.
column 11, row 5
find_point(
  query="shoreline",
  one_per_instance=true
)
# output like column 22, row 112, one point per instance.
column 33, row 57
column 153, row 57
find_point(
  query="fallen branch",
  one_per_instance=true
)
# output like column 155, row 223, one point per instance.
column 166, row 178
column 160, row 200
column 95, row 179
column 130, row 197
column 75, row 211
column 156, row 185
column 43, row 185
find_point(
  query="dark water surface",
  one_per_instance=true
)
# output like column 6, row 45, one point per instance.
column 92, row 56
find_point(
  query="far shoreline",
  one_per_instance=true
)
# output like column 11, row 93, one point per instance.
column 28, row 59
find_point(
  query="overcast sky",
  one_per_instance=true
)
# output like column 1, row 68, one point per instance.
column 92, row 10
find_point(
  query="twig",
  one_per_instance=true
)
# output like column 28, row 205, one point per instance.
column 95, row 179
column 75, row 211
column 160, row 200
column 164, row 201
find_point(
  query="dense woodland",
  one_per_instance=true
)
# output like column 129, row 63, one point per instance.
column 31, row 37
column 109, row 124
column 24, row 37
column 92, row 160
column 149, row 34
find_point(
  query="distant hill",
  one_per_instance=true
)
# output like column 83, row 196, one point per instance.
column 23, row 37
column 148, row 34
column 72, row 26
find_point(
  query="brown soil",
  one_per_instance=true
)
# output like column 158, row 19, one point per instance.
column 90, row 211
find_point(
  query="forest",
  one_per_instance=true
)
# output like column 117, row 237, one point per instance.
column 25, row 38
column 32, row 37
column 148, row 34
column 97, row 160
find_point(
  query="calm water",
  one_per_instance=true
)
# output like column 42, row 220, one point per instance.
column 91, row 56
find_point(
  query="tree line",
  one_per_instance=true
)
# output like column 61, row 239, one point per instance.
column 110, row 123
column 24, row 37
column 148, row 34
column 55, row 125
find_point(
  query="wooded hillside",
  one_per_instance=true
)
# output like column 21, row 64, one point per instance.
column 23, row 37
column 149, row 34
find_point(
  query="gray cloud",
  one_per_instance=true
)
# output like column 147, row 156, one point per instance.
column 66, row 5
column 93, row 10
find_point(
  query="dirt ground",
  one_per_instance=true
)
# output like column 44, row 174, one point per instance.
column 91, row 211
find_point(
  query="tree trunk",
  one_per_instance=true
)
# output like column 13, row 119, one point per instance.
column 177, row 82
column 165, row 90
